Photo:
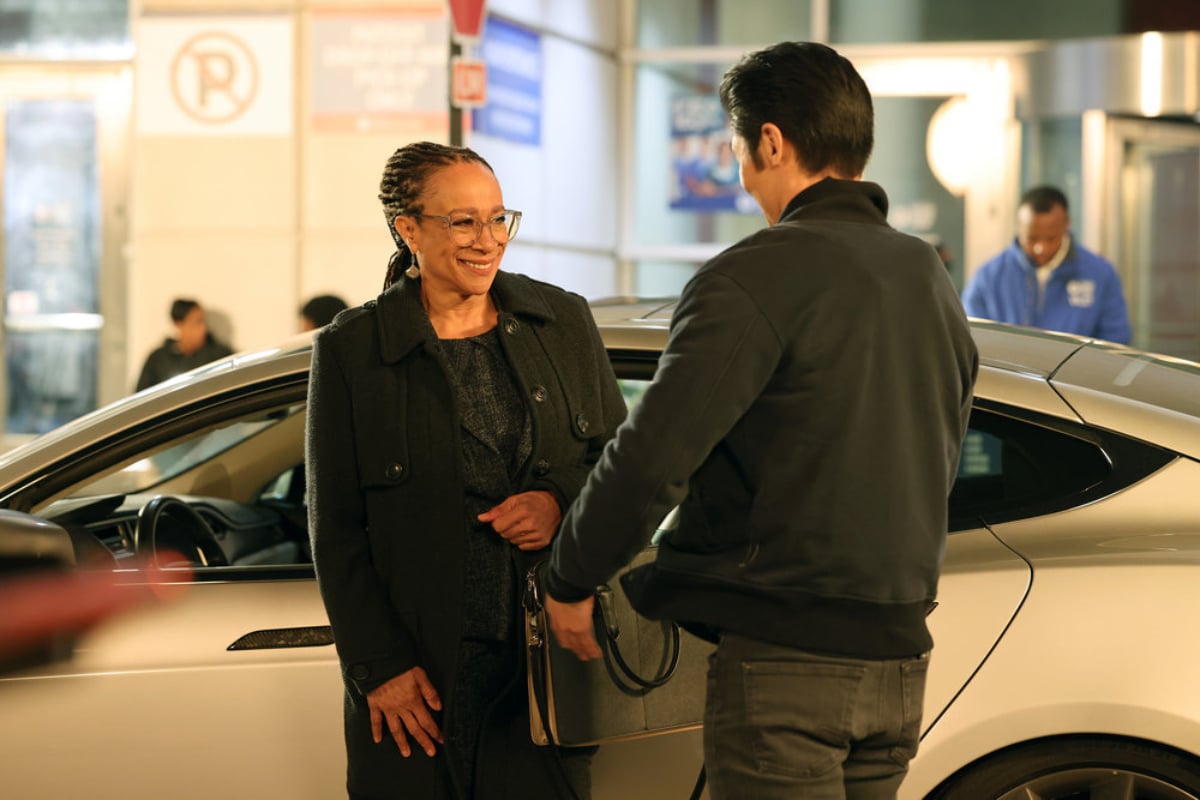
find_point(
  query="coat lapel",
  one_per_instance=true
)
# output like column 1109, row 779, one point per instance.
column 514, row 294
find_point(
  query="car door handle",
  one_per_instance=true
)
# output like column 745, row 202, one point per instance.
column 271, row 639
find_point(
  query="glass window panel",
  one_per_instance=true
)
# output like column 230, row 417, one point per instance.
column 1053, row 153
column 662, row 278
column 1166, row 280
column 51, row 208
column 871, row 22
column 51, row 261
column 659, row 90
column 57, row 29
column 687, row 23
column 632, row 390
column 1011, row 468
column 918, row 203
column 51, row 377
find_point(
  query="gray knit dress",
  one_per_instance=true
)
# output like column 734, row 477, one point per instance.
column 496, row 442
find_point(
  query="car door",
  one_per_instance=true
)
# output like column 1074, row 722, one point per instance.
column 230, row 689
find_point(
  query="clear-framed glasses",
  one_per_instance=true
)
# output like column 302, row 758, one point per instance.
column 465, row 230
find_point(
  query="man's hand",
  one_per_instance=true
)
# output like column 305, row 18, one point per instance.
column 404, row 703
column 529, row 519
column 572, row 626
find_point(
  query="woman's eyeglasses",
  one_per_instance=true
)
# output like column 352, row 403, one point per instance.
column 465, row 230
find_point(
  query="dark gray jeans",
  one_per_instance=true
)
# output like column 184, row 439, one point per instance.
column 782, row 724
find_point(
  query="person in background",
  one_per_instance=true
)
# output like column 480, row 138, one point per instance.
column 943, row 250
column 806, row 417
column 450, row 423
column 320, row 311
column 1045, row 279
column 192, row 346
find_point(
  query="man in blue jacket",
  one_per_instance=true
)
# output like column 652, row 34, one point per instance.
column 1046, row 280
column 806, row 417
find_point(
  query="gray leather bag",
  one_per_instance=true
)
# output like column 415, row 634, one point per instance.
column 650, row 681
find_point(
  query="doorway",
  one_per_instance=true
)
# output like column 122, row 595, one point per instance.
column 1154, row 201
column 63, row 185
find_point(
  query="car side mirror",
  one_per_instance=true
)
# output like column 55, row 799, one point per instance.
column 27, row 542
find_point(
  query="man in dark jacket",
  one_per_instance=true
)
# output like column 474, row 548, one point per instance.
column 806, row 417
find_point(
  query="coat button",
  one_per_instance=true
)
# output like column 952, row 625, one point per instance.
column 539, row 394
column 393, row 472
column 511, row 325
column 541, row 468
column 360, row 672
column 581, row 423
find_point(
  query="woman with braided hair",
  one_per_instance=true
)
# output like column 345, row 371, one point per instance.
column 451, row 421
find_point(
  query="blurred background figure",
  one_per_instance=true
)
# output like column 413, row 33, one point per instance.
column 320, row 311
column 1046, row 279
column 943, row 250
column 192, row 346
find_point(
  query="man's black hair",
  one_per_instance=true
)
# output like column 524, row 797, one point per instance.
column 813, row 95
column 181, row 307
column 321, row 309
column 1044, row 198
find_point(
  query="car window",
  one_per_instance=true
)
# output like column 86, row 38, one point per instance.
column 632, row 390
column 1012, row 467
column 185, row 454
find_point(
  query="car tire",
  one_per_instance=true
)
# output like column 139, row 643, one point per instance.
column 1077, row 768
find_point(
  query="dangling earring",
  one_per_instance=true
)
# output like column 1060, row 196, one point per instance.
column 414, row 269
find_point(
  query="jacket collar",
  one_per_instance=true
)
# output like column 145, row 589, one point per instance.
column 403, row 324
column 833, row 198
column 1067, row 268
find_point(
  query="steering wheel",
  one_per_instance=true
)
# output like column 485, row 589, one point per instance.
column 168, row 524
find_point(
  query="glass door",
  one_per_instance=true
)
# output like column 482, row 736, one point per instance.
column 63, row 153
column 1155, row 201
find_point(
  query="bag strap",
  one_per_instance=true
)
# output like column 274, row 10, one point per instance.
column 536, row 642
column 607, row 611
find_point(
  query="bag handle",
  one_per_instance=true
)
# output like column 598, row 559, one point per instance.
column 605, row 608
column 608, row 619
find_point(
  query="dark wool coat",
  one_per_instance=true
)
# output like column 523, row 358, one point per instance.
column 386, row 503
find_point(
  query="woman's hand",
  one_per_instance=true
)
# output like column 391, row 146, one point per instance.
column 404, row 703
column 528, row 520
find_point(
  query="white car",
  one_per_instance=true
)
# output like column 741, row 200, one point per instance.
column 1064, row 665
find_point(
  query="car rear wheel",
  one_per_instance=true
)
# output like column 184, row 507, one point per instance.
column 1079, row 768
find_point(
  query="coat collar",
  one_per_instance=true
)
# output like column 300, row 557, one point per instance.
column 403, row 324
column 1067, row 268
column 837, row 199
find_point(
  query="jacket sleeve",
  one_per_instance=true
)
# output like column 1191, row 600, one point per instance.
column 721, row 353
column 1114, row 317
column 565, row 482
column 372, row 642
column 146, row 376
